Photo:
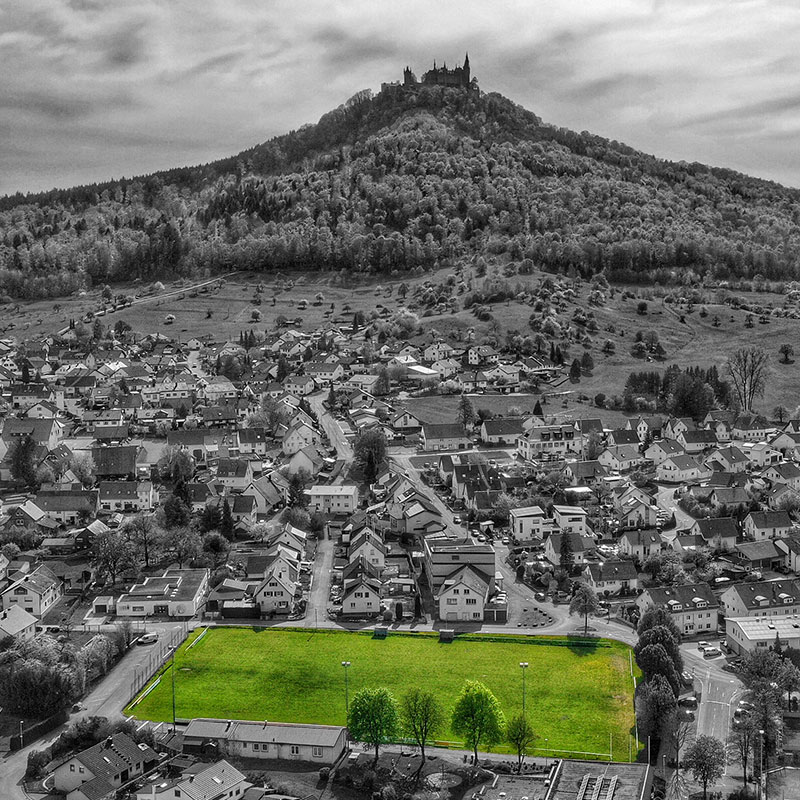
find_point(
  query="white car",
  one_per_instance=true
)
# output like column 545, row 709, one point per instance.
column 147, row 638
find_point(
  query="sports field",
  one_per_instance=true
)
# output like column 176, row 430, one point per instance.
column 578, row 697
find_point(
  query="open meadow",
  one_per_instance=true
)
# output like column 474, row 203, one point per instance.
column 688, row 337
column 577, row 694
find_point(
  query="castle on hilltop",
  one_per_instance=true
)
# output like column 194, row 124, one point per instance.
column 457, row 78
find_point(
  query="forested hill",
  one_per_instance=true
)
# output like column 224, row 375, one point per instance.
column 406, row 181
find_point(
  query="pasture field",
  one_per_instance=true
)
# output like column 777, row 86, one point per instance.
column 579, row 694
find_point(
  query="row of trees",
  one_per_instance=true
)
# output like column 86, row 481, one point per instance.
column 375, row 717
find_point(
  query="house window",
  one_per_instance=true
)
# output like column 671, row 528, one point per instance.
column 451, row 601
column 255, row 746
column 72, row 768
column 316, row 752
column 295, row 750
column 471, row 601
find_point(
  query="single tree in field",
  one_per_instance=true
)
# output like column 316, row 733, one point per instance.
column 748, row 370
column 781, row 413
column 466, row 413
column 787, row 351
column 705, row 758
column 422, row 717
column 521, row 736
column 477, row 717
column 373, row 718
column 742, row 742
column 584, row 602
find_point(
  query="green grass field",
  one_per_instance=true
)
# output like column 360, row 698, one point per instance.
column 576, row 696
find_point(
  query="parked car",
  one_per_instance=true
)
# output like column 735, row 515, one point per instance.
column 147, row 638
column 687, row 677
column 690, row 701
column 702, row 645
column 456, row 519
column 711, row 652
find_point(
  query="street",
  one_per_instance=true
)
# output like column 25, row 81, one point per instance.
column 317, row 610
column 107, row 700
column 668, row 503
column 330, row 425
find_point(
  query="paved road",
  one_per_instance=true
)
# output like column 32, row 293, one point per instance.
column 669, row 503
column 321, row 583
column 720, row 691
column 107, row 700
column 331, row 427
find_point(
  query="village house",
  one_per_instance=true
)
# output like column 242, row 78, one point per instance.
column 102, row 769
column 443, row 557
column 216, row 781
column 464, row 594
column 786, row 474
column 751, row 428
column 728, row 459
column 571, row 519
column 693, row 607
column 761, row 599
column 17, row 623
column 612, row 576
column 361, row 597
column 719, row 533
column 127, row 496
column 444, row 436
column 760, row 525
column 526, row 523
column 581, row 547
column 35, row 592
column 549, row 442
column 177, row 593
column 621, row 458
column 640, row 544
column 681, row 469
column 281, row 741
column 662, row 449
column 501, row 431
column 333, row 498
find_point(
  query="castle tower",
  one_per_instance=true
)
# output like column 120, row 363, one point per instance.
column 466, row 70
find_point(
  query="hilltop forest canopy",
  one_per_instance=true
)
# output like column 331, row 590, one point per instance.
column 405, row 182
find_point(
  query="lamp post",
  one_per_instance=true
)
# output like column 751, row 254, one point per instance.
column 346, row 665
column 523, row 666
column 546, row 753
column 172, row 670
column 761, row 768
column 21, row 729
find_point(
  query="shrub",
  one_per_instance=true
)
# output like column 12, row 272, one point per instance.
column 37, row 761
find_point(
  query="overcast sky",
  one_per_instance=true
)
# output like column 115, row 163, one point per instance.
column 95, row 89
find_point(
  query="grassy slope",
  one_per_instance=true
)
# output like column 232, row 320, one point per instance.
column 576, row 696
column 696, row 341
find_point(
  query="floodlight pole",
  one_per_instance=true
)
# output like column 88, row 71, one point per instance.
column 346, row 665
column 523, row 666
column 172, row 670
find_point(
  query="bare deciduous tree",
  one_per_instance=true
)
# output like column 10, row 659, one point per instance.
column 748, row 370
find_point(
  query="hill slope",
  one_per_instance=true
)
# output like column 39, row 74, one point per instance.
column 401, row 183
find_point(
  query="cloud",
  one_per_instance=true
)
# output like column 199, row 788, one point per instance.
column 93, row 90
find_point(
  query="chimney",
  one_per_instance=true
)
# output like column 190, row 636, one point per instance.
column 108, row 742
